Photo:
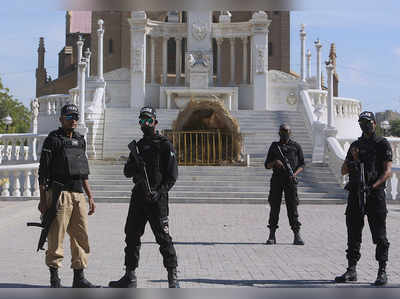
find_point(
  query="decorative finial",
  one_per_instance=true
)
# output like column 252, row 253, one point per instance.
column 309, row 53
column 317, row 41
column 302, row 26
column 100, row 22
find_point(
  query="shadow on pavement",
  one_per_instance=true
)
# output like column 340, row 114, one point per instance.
column 282, row 283
column 213, row 243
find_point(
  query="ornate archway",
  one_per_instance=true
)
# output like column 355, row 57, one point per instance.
column 205, row 133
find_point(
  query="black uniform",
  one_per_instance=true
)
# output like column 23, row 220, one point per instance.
column 373, row 152
column 280, row 182
column 162, row 168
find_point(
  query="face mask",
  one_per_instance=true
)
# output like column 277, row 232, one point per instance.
column 147, row 131
column 367, row 127
column 284, row 136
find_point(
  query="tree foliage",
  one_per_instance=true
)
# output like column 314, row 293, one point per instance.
column 395, row 128
column 19, row 113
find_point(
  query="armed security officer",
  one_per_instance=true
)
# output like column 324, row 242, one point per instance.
column 283, row 181
column 63, row 171
column 156, row 161
column 374, row 155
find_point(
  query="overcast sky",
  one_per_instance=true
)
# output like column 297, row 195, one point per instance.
column 367, row 43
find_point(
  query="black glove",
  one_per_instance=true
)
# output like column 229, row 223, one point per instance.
column 154, row 196
column 294, row 180
column 368, row 189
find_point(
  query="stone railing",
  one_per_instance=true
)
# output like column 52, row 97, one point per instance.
column 20, row 148
column 317, row 101
column 346, row 107
column 343, row 107
column 335, row 156
column 393, row 186
column 19, row 181
column 52, row 104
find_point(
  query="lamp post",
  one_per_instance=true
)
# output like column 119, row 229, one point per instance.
column 8, row 121
column 385, row 125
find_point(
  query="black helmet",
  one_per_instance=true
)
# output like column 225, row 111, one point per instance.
column 148, row 111
column 69, row 109
column 367, row 115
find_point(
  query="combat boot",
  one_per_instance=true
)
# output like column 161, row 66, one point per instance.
column 173, row 278
column 80, row 281
column 55, row 281
column 271, row 239
column 297, row 239
column 349, row 275
column 127, row 281
column 381, row 279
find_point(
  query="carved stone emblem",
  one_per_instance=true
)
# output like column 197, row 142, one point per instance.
column 199, row 59
column 199, row 31
column 291, row 99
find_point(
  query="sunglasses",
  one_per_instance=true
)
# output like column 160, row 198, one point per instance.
column 71, row 117
column 149, row 121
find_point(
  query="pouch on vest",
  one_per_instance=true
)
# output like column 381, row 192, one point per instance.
column 75, row 158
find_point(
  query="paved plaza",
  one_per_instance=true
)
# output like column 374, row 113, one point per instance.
column 218, row 246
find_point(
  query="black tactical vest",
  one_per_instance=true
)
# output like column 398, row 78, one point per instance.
column 72, row 160
column 369, row 151
column 149, row 150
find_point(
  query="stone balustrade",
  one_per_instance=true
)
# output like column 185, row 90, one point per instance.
column 52, row 104
column 19, row 181
column 335, row 157
column 20, row 148
column 346, row 108
column 343, row 107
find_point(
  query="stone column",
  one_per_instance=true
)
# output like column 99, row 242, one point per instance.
column 303, row 53
column 88, row 54
column 233, row 60
column 318, row 47
column 308, row 55
column 329, row 72
column 219, row 65
column 164, row 59
column 245, row 41
column 82, row 89
column 178, row 60
column 153, row 59
column 79, row 45
column 100, row 52
column 138, row 22
column 259, row 59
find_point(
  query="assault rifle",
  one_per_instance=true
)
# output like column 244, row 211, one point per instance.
column 363, row 188
column 48, row 216
column 287, row 166
column 139, row 161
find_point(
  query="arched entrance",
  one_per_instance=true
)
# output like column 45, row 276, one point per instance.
column 205, row 133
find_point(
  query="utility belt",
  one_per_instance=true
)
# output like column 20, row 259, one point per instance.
column 70, row 184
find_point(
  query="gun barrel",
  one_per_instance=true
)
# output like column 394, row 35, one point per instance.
column 38, row 224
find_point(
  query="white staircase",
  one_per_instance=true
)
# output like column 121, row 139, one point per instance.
column 213, row 184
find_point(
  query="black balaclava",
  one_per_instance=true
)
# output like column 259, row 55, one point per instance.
column 367, row 127
column 284, row 133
